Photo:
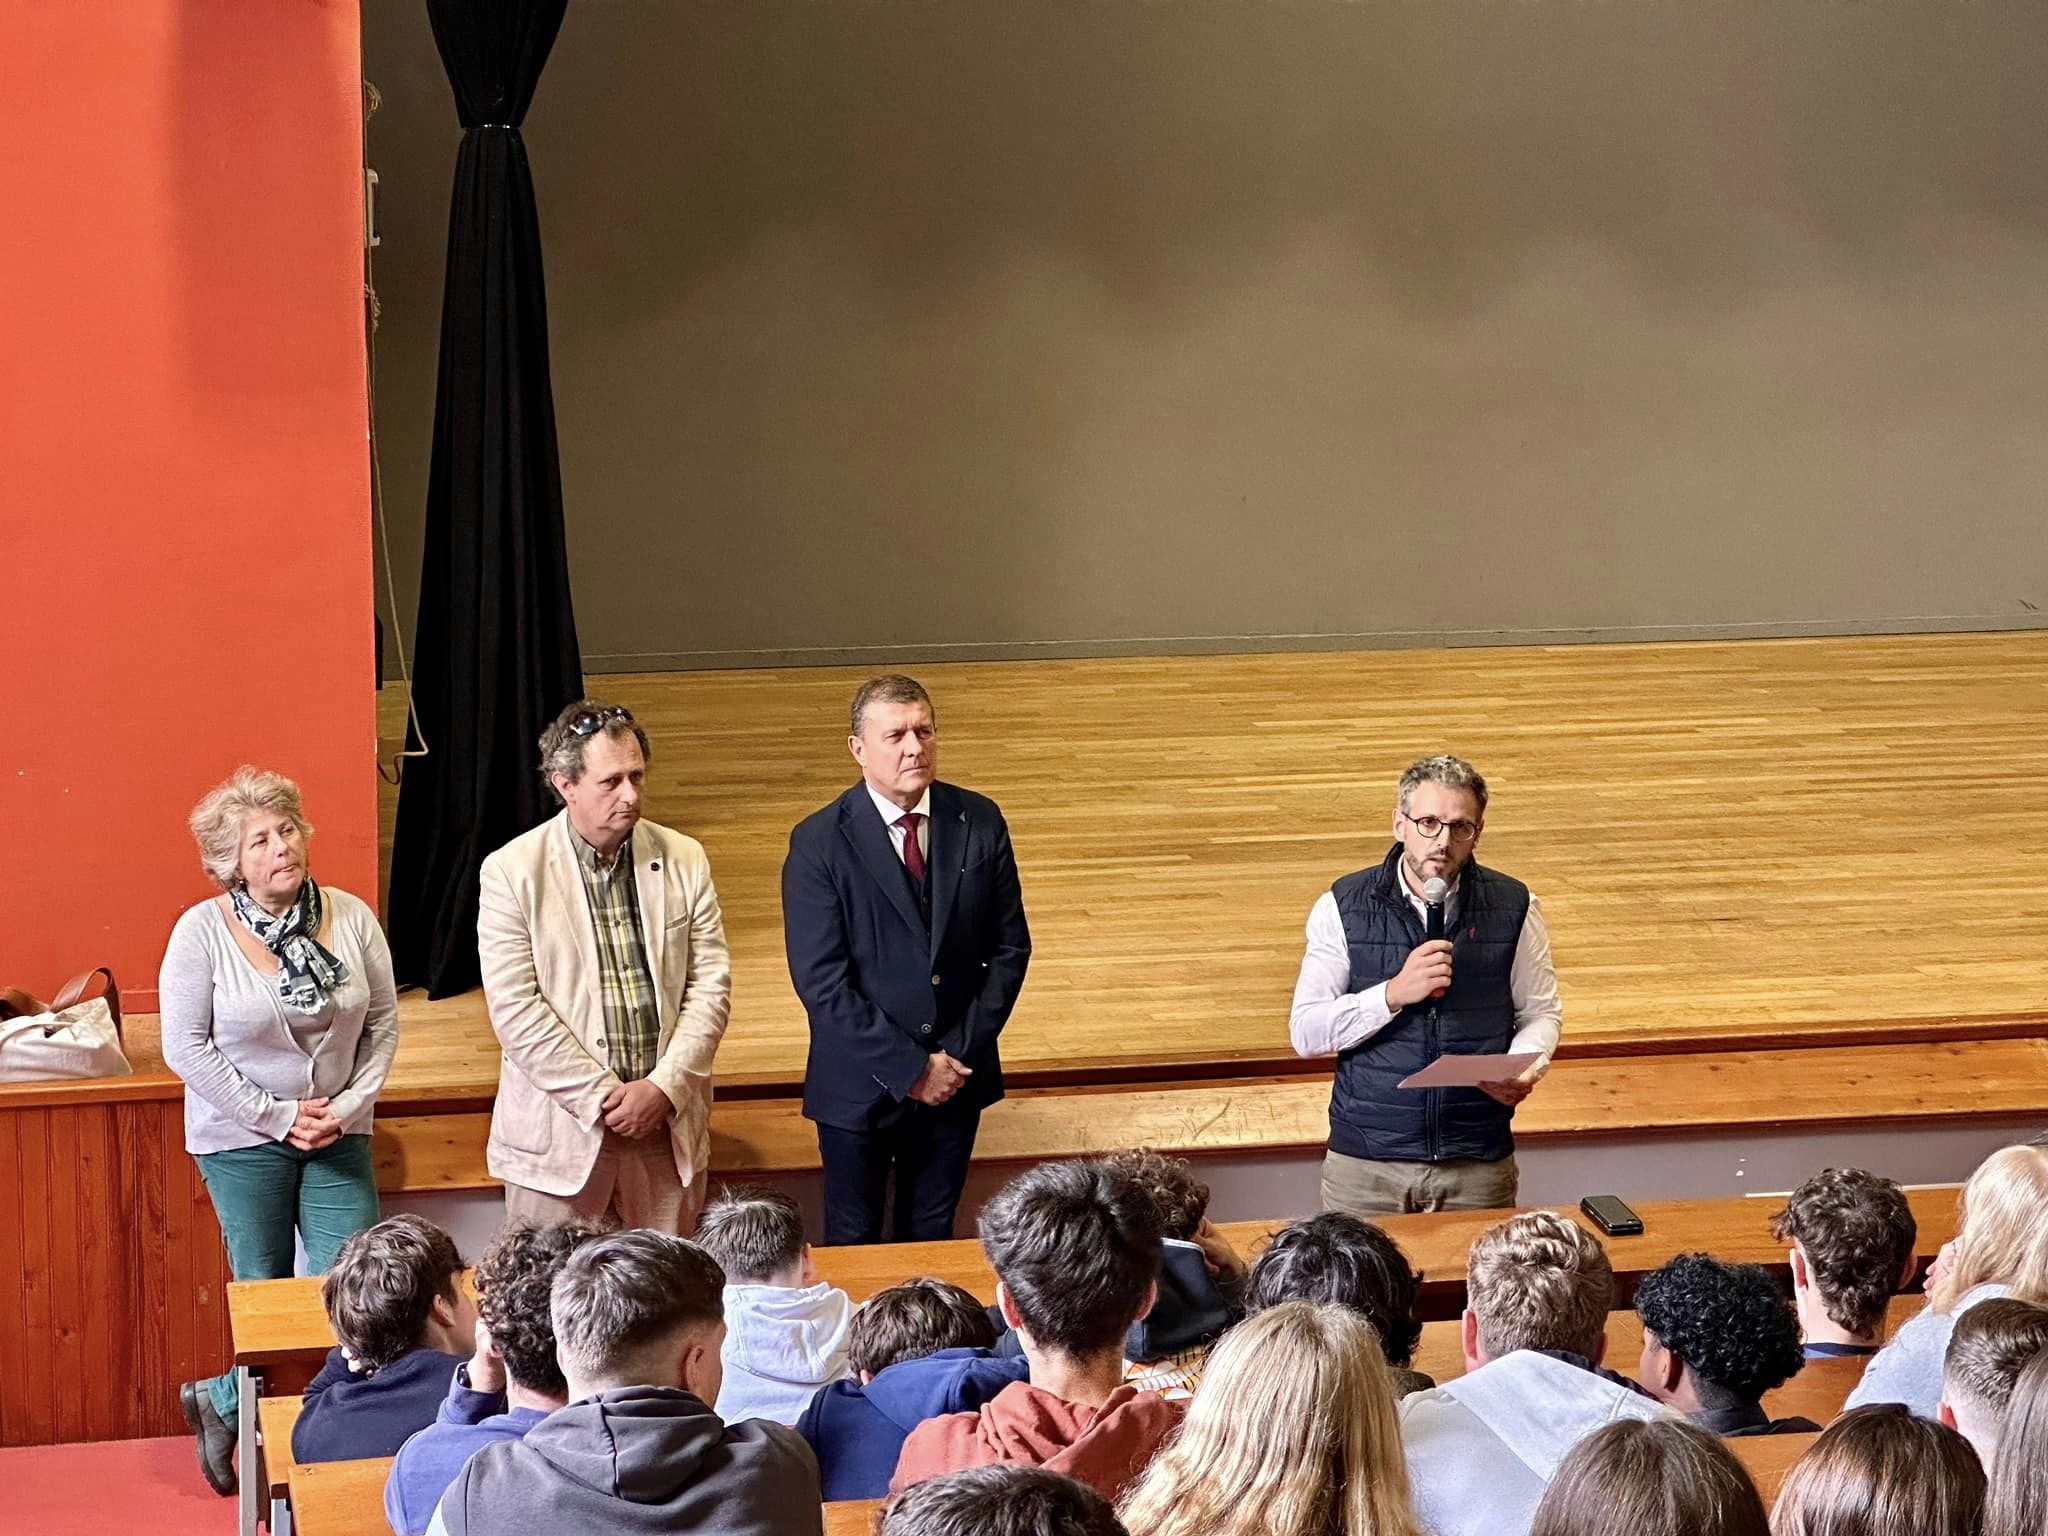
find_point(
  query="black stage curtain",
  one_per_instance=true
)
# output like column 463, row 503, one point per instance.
column 497, row 655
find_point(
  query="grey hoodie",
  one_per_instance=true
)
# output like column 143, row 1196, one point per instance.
column 641, row 1459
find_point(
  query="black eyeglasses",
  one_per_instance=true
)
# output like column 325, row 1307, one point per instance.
column 591, row 721
column 1429, row 826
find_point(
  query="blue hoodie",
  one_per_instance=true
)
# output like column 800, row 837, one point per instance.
column 858, row 1431
column 427, row 1463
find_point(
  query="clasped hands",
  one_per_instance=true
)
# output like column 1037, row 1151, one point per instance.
column 637, row 1109
column 314, row 1125
column 941, row 1078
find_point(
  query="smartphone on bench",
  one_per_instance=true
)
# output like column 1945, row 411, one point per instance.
column 1610, row 1213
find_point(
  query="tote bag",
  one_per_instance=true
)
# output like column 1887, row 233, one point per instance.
column 76, row 1034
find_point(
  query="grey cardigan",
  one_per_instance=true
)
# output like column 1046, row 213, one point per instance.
column 226, row 1034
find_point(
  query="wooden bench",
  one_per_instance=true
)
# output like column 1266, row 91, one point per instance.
column 346, row 1498
column 1584, row 1097
column 275, row 1417
column 279, row 1327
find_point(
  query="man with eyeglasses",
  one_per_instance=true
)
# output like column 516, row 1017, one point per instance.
column 605, row 968
column 1386, row 1000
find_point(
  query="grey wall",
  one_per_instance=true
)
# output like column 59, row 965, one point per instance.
column 1186, row 324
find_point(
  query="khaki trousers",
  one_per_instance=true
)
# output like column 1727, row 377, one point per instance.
column 1370, row 1188
column 634, row 1183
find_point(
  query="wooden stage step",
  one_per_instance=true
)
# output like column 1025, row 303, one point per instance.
column 1585, row 1097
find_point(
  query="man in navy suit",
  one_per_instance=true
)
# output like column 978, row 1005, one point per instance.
column 905, row 928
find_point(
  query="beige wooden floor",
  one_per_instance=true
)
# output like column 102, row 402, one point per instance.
column 1743, row 839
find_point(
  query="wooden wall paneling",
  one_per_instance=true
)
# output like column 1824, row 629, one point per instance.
column 68, row 1381
column 13, row 1282
column 38, row 1420
column 154, row 1340
column 103, row 1312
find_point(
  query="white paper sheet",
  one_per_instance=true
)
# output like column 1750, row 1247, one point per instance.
column 1469, row 1071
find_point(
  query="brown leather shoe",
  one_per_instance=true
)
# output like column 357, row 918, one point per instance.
column 215, row 1436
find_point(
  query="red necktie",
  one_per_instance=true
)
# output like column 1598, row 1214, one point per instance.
column 913, row 855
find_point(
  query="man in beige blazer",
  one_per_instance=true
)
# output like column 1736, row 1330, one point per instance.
column 605, row 968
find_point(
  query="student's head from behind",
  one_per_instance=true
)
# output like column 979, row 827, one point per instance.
column 1335, row 1257
column 640, row 1309
column 1003, row 1500
column 2001, row 1230
column 397, row 1287
column 1075, row 1247
column 1183, row 1199
column 1650, row 1477
column 1293, row 1432
column 909, row 1321
column 1536, row 1281
column 515, row 1281
column 1715, row 1335
column 1853, row 1238
column 2018, row 1502
column 757, row 1236
column 1880, row 1471
column 1991, row 1344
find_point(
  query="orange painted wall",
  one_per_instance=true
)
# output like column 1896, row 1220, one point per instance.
column 184, row 489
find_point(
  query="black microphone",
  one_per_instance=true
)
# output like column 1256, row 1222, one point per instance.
column 1433, row 894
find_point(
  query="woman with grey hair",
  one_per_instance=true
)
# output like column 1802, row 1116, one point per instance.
column 279, row 1013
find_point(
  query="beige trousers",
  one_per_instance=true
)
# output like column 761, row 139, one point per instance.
column 634, row 1183
column 1369, row 1188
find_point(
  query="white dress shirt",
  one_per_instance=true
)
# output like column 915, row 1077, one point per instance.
column 892, row 812
column 1326, row 1018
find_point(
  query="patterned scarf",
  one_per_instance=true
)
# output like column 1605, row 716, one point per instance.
column 307, row 971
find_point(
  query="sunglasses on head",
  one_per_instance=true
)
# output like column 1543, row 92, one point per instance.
column 590, row 721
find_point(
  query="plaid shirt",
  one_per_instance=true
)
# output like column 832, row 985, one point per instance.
column 632, row 1014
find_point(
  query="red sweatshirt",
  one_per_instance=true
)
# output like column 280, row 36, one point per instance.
column 1105, row 1447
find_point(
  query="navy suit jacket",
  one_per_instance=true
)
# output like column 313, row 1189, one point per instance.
column 884, row 989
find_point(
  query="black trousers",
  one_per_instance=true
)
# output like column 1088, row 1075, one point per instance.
column 927, row 1149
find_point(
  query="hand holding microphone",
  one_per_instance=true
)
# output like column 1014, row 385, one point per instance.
column 1427, row 971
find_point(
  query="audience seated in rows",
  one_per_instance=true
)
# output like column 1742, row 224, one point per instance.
column 1989, row 1347
column 785, row 1330
column 395, row 1299
column 1481, row 1449
column 1075, row 1247
column 1651, row 1477
column 1338, row 1258
column 1716, row 1338
column 639, row 1321
column 999, row 1501
column 509, row 1385
column 1882, row 1471
column 2017, row 1500
column 1854, row 1244
column 1292, row 1432
column 920, row 1349
column 2000, row 1249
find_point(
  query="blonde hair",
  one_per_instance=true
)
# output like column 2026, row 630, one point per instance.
column 1291, row 1433
column 1539, row 1281
column 217, row 819
column 2001, row 1230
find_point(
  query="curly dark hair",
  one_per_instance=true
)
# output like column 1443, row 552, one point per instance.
column 1183, row 1199
column 1730, row 1324
column 1335, row 1257
column 514, row 1280
column 1858, row 1234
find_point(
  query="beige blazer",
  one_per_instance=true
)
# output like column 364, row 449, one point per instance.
column 539, row 951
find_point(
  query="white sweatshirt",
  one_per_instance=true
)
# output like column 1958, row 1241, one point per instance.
column 782, row 1343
